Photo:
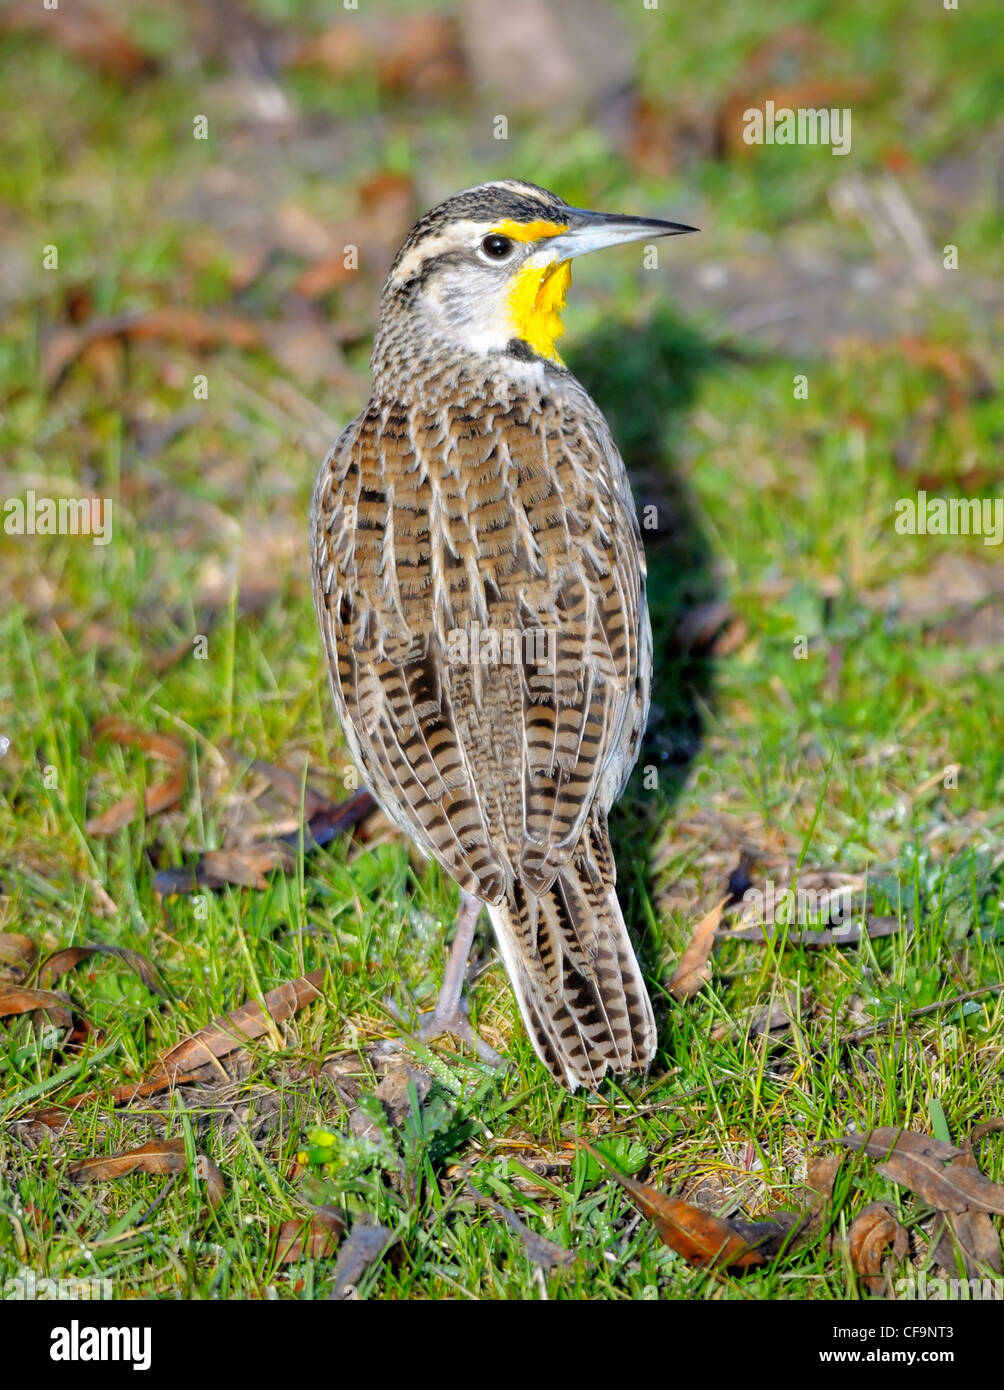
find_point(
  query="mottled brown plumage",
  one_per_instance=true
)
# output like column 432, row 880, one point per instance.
column 479, row 507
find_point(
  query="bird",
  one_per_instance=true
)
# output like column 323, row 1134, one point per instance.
column 479, row 582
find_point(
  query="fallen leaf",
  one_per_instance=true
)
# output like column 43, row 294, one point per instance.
column 158, row 1157
column 247, row 866
column 395, row 1090
column 15, row 999
column 539, row 1251
column 693, row 970
column 703, row 1240
column 930, row 1168
column 971, row 1234
column 292, row 786
column 813, row 93
column 324, row 276
column 386, row 211
column 874, row 1231
column 299, row 233
column 821, row 1173
column 60, row 962
column 54, row 1116
column 364, row 1246
column 995, row 1126
column 250, row 1021
column 159, row 797
column 700, row 625
column 820, row 1177
column 309, row 1239
column 117, row 730
column 414, row 53
column 15, row 949
column 87, row 33
column 180, row 327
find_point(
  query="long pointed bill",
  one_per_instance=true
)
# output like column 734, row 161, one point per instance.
column 593, row 231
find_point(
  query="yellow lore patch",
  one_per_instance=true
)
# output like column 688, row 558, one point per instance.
column 529, row 231
column 535, row 304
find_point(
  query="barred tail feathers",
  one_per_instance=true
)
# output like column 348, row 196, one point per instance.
column 574, row 972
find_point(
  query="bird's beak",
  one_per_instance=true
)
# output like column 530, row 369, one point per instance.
column 592, row 231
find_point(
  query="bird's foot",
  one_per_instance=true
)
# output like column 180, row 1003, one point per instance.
column 442, row 1020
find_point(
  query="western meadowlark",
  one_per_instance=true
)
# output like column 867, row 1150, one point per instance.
column 479, row 582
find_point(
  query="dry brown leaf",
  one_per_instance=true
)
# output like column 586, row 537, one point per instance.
column 15, row 948
column 971, row 1234
column 995, row 1126
column 700, row 625
column 87, row 33
column 821, row 1173
column 821, row 1176
column 247, row 866
column 702, row 1239
column 60, row 962
column 118, row 730
column 324, row 276
column 15, row 999
column 16, row 955
column 540, row 1251
column 54, row 1116
column 158, row 1157
column 930, row 1168
column 415, row 53
column 292, row 786
column 386, row 211
column 364, row 1245
column 159, row 797
column 874, row 1231
column 311, row 1239
column 185, row 328
column 184, row 1062
column 242, row 1025
column 693, row 970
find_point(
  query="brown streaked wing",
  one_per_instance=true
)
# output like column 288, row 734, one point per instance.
column 579, row 716
column 371, row 569
column 518, row 519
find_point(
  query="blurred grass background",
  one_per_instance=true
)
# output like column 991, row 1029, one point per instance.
column 223, row 258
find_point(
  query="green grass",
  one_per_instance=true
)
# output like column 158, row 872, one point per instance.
column 783, row 506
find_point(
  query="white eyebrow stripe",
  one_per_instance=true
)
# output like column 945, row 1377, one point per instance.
column 451, row 238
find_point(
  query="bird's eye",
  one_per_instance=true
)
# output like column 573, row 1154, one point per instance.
column 496, row 247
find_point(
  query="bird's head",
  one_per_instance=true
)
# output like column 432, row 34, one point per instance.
column 487, row 271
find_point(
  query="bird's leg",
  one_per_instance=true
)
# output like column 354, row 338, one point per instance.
column 449, row 1015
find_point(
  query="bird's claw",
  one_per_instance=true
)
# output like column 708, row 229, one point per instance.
column 438, row 1022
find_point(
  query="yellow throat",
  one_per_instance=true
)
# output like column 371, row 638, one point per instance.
column 538, row 293
column 535, row 304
